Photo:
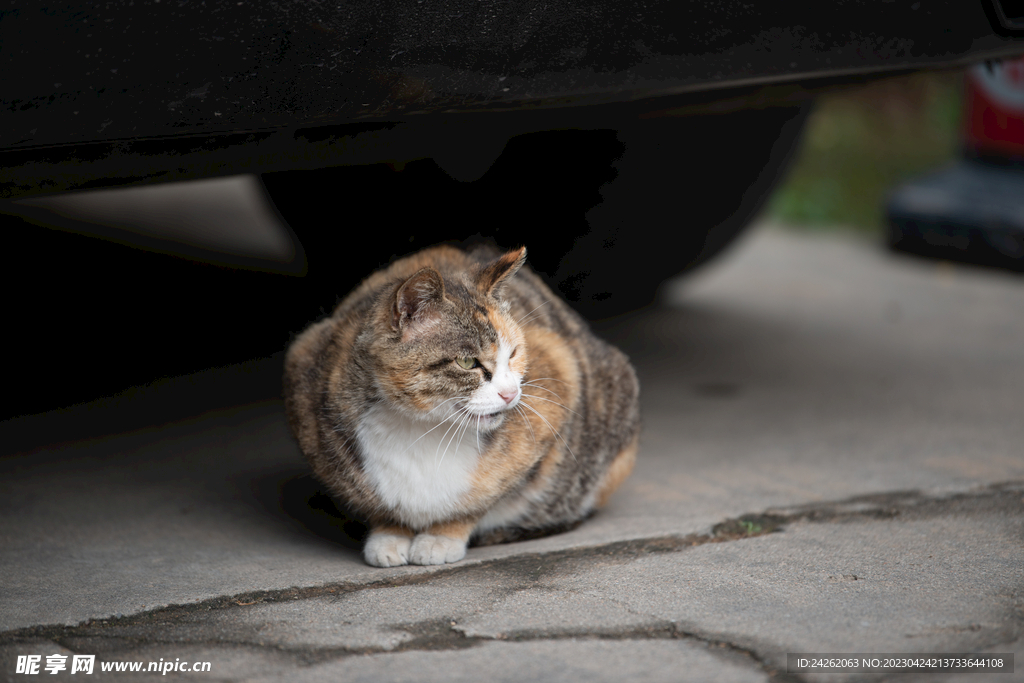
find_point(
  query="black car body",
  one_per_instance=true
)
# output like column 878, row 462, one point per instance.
column 119, row 88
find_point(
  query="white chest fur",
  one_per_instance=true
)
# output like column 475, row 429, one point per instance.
column 422, row 475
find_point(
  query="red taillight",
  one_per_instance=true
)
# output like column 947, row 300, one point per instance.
column 994, row 109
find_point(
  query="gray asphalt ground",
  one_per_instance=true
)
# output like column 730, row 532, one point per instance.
column 832, row 462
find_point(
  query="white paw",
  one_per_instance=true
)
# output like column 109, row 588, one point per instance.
column 386, row 550
column 427, row 549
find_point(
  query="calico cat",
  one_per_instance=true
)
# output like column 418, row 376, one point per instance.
column 452, row 397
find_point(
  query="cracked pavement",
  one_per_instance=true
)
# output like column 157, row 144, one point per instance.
column 832, row 461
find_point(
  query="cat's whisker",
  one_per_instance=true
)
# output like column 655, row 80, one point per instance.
column 441, row 440
column 553, row 430
column 464, row 422
column 447, row 400
column 526, row 317
column 528, row 320
column 526, row 419
column 430, row 430
column 552, row 379
column 537, row 386
column 541, row 398
column 464, row 417
column 437, row 463
column 465, row 428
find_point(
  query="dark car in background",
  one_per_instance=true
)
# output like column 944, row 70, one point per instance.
column 621, row 141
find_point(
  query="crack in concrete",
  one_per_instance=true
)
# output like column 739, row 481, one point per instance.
column 440, row 635
column 740, row 653
column 527, row 571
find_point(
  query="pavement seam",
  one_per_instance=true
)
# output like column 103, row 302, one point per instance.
column 528, row 570
column 440, row 635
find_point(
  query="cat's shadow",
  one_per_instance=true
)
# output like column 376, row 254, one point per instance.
column 300, row 500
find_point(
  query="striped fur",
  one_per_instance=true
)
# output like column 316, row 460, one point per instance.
column 453, row 398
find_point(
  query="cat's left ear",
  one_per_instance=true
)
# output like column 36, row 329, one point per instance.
column 495, row 273
column 414, row 309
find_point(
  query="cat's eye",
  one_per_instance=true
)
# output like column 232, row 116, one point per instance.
column 466, row 362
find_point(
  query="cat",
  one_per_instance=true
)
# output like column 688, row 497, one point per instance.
column 452, row 398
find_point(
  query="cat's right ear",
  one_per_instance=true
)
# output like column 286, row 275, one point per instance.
column 495, row 273
column 415, row 306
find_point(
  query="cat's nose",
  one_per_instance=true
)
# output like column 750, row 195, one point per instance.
column 508, row 395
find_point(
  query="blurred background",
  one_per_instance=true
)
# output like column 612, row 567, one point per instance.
column 930, row 164
column 860, row 143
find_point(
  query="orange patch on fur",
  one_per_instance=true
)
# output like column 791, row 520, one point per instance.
column 458, row 529
column 621, row 467
column 504, row 328
column 393, row 530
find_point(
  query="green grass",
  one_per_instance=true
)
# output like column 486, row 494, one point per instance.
column 860, row 143
column 750, row 527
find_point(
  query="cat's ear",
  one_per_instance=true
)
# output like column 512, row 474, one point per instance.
column 415, row 306
column 495, row 273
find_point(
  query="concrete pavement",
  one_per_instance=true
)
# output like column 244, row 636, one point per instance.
column 832, row 461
